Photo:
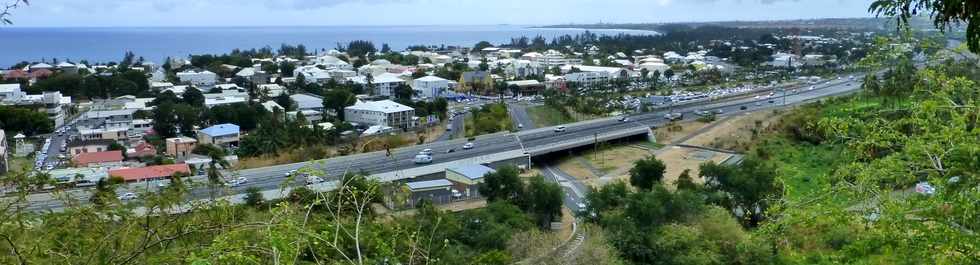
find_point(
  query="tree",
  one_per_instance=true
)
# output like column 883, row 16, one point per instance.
column 502, row 185
column 403, row 92
column 945, row 13
column 192, row 96
column 253, row 197
column 481, row 45
column 165, row 120
column 9, row 7
column 338, row 99
column 544, row 200
column 647, row 172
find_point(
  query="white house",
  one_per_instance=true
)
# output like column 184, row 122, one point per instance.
column 312, row 74
column 383, row 113
column 331, row 62
column 430, row 86
column 384, row 84
column 199, row 79
column 272, row 90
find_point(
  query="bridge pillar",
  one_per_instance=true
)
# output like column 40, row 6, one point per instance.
column 651, row 135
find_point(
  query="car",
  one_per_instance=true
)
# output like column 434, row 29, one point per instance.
column 49, row 167
column 520, row 126
column 758, row 103
column 624, row 119
column 560, row 129
column 426, row 151
column 449, row 129
column 718, row 111
column 242, row 180
column 468, row 146
column 772, row 101
column 314, row 180
column 128, row 196
column 290, row 173
column 451, row 150
column 743, row 108
column 581, row 206
column 423, row 159
column 674, row 116
column 702, row 113
column 162, row 184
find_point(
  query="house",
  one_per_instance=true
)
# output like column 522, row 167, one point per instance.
column 527, row 87
column 307, row 102
column 591, row 75
column 272, row 90
column 312, row 74
column 253, row 76
column 180, row 147
column 11, row 92
column 150, row 173
column 203, row 79
column 384, row 84
column 332, row 62
column 88, row 146
column 142, row 150
column 98, row 159
column 383, row 113
column 476, row 81
column 224, row 135
column 470, row 176
column 117, row 133
column 211, row 102
column 430, row 86
column 439, row 191
column 272, row 106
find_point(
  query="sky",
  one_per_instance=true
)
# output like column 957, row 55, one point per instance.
column 135, row 13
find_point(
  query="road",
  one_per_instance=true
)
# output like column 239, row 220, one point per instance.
column 518, row 113
column 270, row 178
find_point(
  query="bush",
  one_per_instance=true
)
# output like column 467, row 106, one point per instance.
column 253, row 197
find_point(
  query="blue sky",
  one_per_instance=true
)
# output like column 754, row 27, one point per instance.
column 94, row 13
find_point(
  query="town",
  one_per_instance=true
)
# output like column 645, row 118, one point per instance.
column 144, row 122
column 739, row 142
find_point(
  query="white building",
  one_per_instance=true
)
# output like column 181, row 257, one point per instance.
column 383, row 113
column 198, row 78
column 384, row 84
column 312, row 74
column 430, row 86
column 272, row 90
column 592, row 74
column 330, row 62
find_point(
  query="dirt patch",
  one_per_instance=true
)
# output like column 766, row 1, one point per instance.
column 609, row 161
column 737, row 133
column 679, row 159
column 675, row 131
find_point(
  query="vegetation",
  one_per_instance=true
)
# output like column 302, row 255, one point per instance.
column 491, row 118
column 26, row 120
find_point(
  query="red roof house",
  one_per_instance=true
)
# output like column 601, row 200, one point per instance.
column 15, row 74
column 143, row 149
column 41, row 73
column 149, row 173
column 87, row 159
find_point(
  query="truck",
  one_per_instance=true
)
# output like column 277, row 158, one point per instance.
column 423, row 159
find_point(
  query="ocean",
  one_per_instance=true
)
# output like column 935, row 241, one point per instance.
column 156, row 43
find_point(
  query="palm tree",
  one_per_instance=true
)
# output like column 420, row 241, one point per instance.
column 217, row 156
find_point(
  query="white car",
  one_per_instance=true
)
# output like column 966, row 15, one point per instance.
column 128, row 196
column 423, row 159
column 468, row 146
column 427, row 152
column 624, row 119
column 314, row 180
column 560, row 129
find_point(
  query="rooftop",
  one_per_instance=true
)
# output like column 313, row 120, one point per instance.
column 386, row 106
column 472, row 172
column 84, row 159
column 221, row 130
column 428, row 184
column 151, row 172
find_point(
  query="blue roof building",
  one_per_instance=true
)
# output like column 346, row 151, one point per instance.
column 222, row 135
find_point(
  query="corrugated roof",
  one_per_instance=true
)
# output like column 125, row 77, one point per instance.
column 84, row 159
column 472, row 172
column 429, row 184
column 221, row 130
column 151, row 172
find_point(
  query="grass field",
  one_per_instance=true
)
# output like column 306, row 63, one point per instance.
column 545, row 115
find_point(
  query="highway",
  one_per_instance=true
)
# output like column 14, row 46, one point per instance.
column 271, row 178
